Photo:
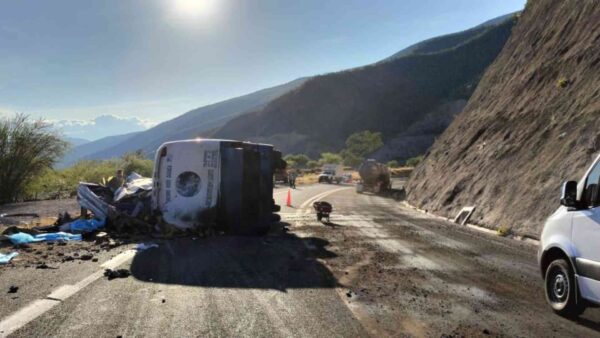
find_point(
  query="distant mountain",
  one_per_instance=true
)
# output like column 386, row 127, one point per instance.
column 86, row 150
column 410, row 99
column 192, row 124
column 75, row 141
column 100, row 127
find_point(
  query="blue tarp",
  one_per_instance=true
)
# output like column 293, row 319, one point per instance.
column 23, row 238
column 4, row 259
column 82, row 226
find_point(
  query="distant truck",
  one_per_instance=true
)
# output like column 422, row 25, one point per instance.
column 376, row 178
column 220, row 184
column 332, row 173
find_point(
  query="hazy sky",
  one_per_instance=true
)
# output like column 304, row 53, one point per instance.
column 156, row 59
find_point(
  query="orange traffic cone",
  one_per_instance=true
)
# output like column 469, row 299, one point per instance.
column 288, row 201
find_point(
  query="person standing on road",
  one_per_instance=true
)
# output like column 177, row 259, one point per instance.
column 292, row 179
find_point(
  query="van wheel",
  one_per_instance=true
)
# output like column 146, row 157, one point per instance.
column 561, row 292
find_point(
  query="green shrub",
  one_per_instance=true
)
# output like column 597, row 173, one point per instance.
column 28, row 149
column 414, row 161
column 312, row 164
column 330, row 158
column 393, row 164
column 62, row 183
column 504, row 231
column 562, row 82
column 296, row 161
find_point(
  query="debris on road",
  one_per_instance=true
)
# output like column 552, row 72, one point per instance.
column 86, row 257
column 5, row 259
column 83, row 226
column 464, row 215
column 323, row 210
column 146, row 246
column 119, row 273
column 21, row 238
column 13, row 289
column 236, row 182
column 45, row 266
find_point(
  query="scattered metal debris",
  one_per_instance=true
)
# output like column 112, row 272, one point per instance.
column 119, row 273
column 464, row 215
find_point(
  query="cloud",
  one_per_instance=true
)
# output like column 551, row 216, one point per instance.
column 101, row 126
column 6, row 112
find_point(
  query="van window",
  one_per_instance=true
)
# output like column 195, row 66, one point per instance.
column 590, row 194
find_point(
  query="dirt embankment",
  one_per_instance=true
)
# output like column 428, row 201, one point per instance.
column 533, row 122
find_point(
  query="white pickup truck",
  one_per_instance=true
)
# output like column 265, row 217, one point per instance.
column 569, row 252
column 331, row 173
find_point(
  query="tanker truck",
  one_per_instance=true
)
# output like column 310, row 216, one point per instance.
column 376, row 178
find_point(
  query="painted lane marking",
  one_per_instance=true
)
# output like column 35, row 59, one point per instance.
column 38, row 307
column 309, row 201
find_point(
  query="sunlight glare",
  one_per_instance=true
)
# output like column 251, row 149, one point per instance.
column 195, row 8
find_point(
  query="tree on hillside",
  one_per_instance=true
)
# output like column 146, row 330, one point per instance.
column 330, row 158
column 359, row 145
column 137, row 162
column 27, row 149
column 414, row 161
column 296, row 161
column 393, row 164
column 312, row 164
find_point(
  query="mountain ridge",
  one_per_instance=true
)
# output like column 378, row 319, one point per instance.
column 387, row 96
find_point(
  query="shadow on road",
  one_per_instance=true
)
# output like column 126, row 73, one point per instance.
column 279, row 261
column 589, row 319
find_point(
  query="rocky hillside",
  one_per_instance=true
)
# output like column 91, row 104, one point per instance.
column 533, row 122
column 394, row 97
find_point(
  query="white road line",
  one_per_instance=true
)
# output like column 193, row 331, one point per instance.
column 319, row 196
column 38, row 307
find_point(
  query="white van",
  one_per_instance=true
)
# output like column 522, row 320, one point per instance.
column 569, row 253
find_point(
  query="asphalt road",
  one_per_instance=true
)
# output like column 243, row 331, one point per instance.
column 379, row 269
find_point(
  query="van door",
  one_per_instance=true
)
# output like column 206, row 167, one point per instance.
column 586, row 237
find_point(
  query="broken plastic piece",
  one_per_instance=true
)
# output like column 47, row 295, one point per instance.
column 5, row 259
column 23, row 238
column 146, row 246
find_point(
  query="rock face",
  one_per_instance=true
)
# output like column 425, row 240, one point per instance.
column 532, row 122
column 410, row 99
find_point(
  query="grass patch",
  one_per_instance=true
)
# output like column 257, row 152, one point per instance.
column 504, row 231
column 562, row 82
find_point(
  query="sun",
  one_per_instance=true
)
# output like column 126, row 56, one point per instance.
column 195, row 8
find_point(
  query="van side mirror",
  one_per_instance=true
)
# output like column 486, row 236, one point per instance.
column 568, row 196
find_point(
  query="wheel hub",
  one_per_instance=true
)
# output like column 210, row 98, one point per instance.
column 560, row 286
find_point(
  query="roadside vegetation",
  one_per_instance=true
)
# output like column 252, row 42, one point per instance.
column 63, row 183
column 358, row 146
column 28, row 149
column 414, row 161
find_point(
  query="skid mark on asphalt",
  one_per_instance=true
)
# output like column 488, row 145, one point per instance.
column 376, row 234
column 38, row 307
column 307, row 205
